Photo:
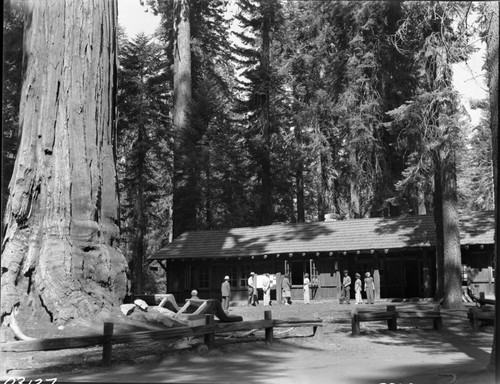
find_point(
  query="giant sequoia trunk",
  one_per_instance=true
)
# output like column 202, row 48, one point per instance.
column 59, row 253
column 492, row 66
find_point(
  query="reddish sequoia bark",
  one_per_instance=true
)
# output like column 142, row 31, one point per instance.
column 59, row 253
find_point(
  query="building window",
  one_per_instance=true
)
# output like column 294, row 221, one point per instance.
column 233, row 275
column 204, row 277
column 245, row 274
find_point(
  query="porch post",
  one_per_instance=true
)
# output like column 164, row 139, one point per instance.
column 426, row 276
column 279, row 299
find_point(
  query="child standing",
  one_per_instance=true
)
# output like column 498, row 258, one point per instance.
column 357, row 289
column 345, row 294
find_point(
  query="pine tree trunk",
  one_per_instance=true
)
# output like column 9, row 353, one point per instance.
column 59, row 252
column 264, row 106
column 492, row 66
column 354, row 204
column 451, row 237
column 299, row 177
column 184, row 211
column 321, row 190
column 438, row 222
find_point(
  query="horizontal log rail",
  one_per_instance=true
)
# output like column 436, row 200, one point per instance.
column 482, row 300
column 479, row 315
column 208, row 331
column 391, row 315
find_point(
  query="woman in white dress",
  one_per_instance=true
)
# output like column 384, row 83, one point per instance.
column 306, row 288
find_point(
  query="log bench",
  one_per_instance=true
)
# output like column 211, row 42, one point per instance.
column 391, row 316
column 478, row 316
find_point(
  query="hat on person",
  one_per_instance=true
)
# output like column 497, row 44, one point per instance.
column 252, row 273
column 226, row 278
column 194, row 292
column 358, row 275
column 367, row 274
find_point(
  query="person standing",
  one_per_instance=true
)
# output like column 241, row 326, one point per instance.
column 357, row 289
column 306, row 288
column 251, row 289
column 266, row 288
column 345, row 295
column 369, row 288
column 226, row 293
column 287, row 290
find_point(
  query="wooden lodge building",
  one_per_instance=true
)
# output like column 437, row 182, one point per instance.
column 400, row 253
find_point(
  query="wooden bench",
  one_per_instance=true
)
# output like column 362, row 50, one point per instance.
column 391, row 316
column 477, row 316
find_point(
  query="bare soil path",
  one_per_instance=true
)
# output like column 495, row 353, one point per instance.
column 414, row 354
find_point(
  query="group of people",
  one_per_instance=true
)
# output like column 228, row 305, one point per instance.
column 369, row 288
column 286, row 286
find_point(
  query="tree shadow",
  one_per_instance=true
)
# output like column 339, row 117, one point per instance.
column 247, row 241
column 420, row 230
column 248, row 361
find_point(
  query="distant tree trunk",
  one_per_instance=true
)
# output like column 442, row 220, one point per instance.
column 264, row 107
column 59, row 252
column 299, row 177
column 299, row 180
column 321, row 190
column 451, row 237
column 184, row 210
column 492, row 66
column 354, row 204
column 438, row 222
column 141, row 225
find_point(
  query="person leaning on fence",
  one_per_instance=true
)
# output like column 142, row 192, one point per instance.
column 251, row 289
column 345, row 294
column 357, row 289
column 306, row 288
column 287, row 290
column 226, row 293
column 369, row 289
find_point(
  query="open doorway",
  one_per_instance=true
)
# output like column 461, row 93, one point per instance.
column 298, row 268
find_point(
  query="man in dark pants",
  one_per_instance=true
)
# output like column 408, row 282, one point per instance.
column 251, row 289
column 345, row 295
column 226, row 293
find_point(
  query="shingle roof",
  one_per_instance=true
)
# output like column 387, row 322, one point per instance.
column 335, row 236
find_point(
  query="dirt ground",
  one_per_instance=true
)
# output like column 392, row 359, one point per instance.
column 414, row 354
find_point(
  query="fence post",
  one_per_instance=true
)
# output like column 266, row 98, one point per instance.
column 354, row 321
column 482, row 297
column 316, row 333
column 279, row 298
column 392, row 323
column 209, row 338
column 268, row 315
column 106, row 345
column 438, row 321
